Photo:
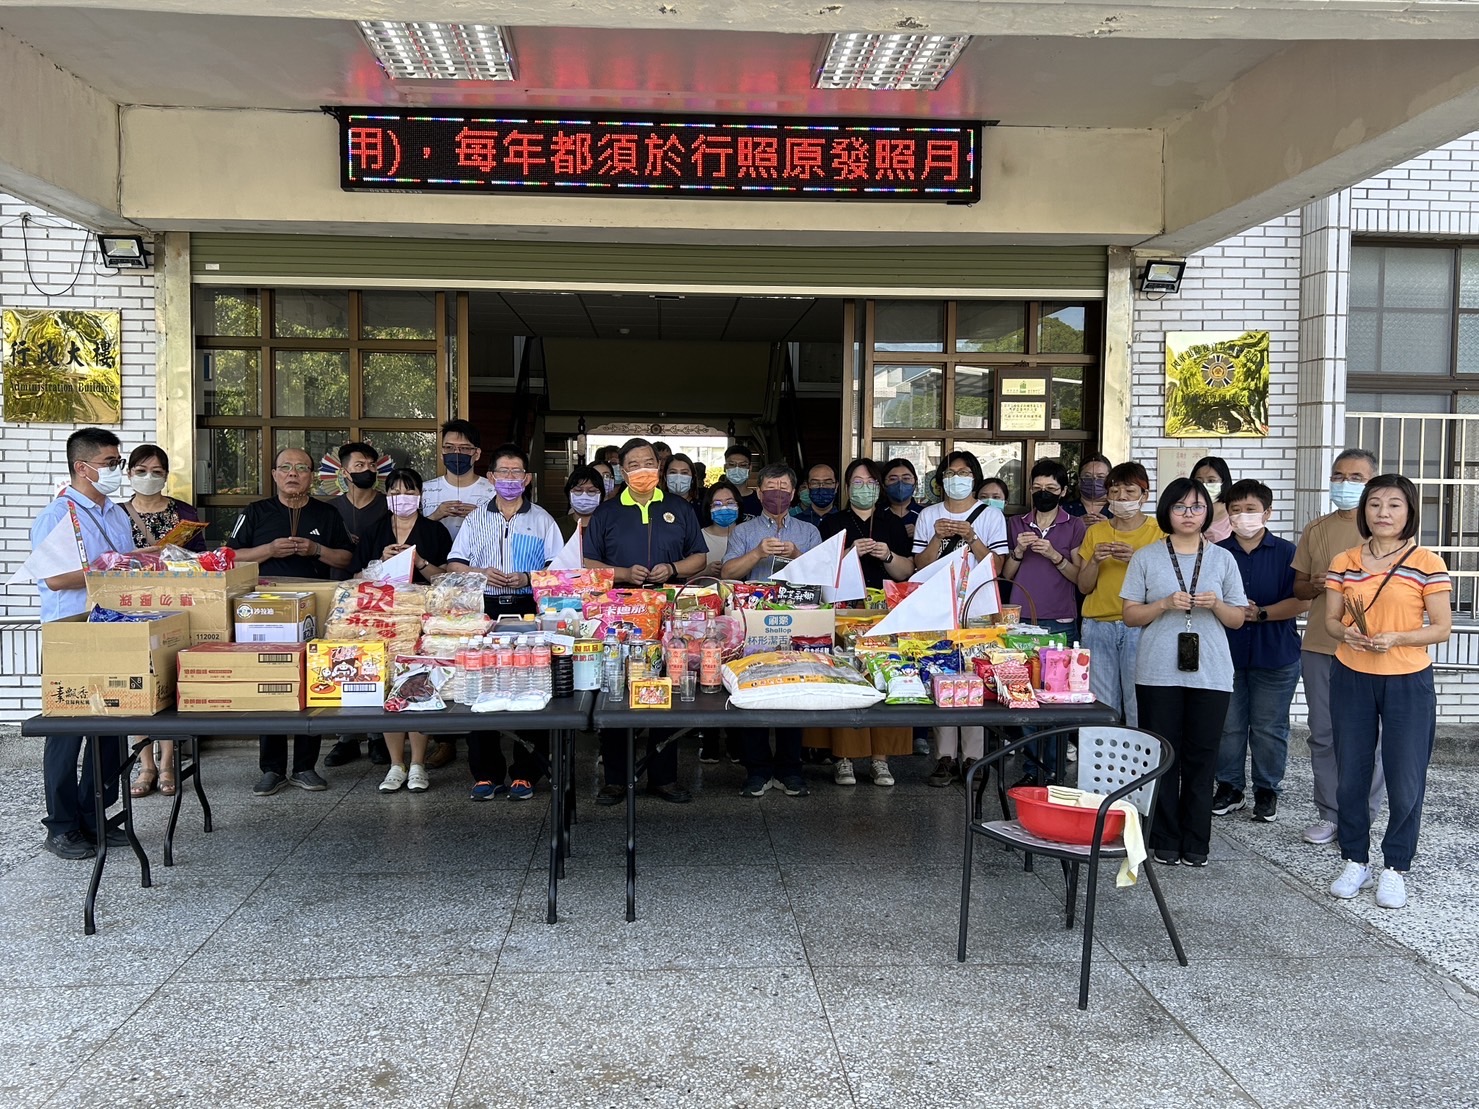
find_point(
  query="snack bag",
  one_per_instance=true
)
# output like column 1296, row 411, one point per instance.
column 570, row 583
column 456, row 594
column 416, row 683
column 896, row 591
column 636, row 612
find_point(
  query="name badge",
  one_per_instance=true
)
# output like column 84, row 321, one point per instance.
column 667, row 517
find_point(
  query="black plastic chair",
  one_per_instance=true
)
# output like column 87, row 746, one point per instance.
column 1119, row 762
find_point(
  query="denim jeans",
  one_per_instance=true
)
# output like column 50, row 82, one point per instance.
column 1258, row 721
column 1112, row 649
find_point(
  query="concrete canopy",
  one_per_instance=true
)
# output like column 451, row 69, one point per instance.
column 1165, row 124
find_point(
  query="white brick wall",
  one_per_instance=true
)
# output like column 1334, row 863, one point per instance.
column 39, row 259
column 1434, row 195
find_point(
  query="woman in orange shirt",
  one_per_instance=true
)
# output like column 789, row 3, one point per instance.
column 1381, row 682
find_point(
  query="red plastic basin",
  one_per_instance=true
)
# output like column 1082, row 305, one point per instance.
column 1062, row 823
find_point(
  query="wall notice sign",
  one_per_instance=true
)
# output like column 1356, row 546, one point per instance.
column 553, row 151
column 1023, row 415
column 1024, row 387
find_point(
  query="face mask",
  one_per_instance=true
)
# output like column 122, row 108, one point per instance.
column 1091, row 488
column 1346, row 495
column 1044, row 501
column 724, row 515
column 363, row 479
column 680, row 483
column 902, row 493
column 616, row 473
column 804, row 497
column 147, row 485
column 994, row 502
column 642, row 482
column 863, row 496
column 404, row 504
column 510, row 489
column 1247, row 524
column 584, row 503
column 958, row 486
column 823, row 498
column 1214, row 489
column 609, row 484
column 775, row 501
column 1124, row 509
column 107, row 481
column 738, row 474
column 457, row 464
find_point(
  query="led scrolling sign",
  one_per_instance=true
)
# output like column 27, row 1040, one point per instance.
column 550, row 152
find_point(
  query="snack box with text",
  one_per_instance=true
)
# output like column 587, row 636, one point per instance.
column 275, row 618
column 124, row 669
column 769, row 629
column 346, row 673
column 282, row 696
column 205, row 596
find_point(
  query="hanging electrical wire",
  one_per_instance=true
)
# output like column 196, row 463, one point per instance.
column 85, row 241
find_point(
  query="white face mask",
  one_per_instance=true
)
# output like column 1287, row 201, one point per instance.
column 109, row 481
column 958, row 486
column 148, row 485
column 1247, row 524
column 1214, row 489
column 1124, row 509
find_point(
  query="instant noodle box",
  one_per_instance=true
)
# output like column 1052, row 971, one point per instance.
column 123, row 669
column 243, row 662
column 346, row 673
column 285, row 696
column 205, row 596
column 773, row 629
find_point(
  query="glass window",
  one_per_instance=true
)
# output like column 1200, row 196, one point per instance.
column 417, row 449
column 229, row 382
column 1468, row 344
column 397, row 315
column 310, row 383
column 232, row 313
column 1067, row 413
column 991, row 326
column 233, row 458
column 1063, row 329
column 924, row 453
column 909, row 325
column 907, row 396
column 1415, row 342
column 1401, row 319
column 973, row 385
column 1468, row 281
column 316, row 441
column 1366, row 276
column 1069, row 454
column 1001, row 460
column 311, row 314
column 1416, row 277
column 400, row 385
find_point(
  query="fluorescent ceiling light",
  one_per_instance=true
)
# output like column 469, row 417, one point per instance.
column 887, row 62
column 439, row 51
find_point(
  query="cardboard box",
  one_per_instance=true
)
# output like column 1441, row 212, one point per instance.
column 242, row 662
column 322, row 589
column 346, row 673
column 772, row 629
column 285, row 696
column 275, row 618
column 204, row 596
column 110, row 669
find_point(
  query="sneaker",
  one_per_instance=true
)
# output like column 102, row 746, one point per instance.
column 943, row 773
column 442, row 752
column 1192, row 859
column 882, row 775
column 755, row 786
column 708, row 755
column 1167, row 857
column 346, row 750
column 309, row 780
column 1265, row 806
column 416, row 780
column 795, row 786
column 395, row 777
column 69, row 845
column 843, row 774
column 611, row 794
column 1321, row 832
column 485, row 791
column 270, row 782
column 1391, row 889
column 1353, row 879
column 521, row 790
column 1227, row 800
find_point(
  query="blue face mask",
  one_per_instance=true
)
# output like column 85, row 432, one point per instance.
column 457, row 464
column 994, row 502
column 724, row 515
column 1346, row 495
column 823, row 498
column 902, row 493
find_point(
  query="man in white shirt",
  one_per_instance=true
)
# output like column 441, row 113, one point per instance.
column 460, row 491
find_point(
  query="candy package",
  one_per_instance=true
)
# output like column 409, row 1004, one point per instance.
column 101, row 615
column 570, row 583
column 751, row 594
column 416, row 683
column 793, row 595
column 1014, row 686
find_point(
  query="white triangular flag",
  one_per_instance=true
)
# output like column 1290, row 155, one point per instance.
column 817, row 566
column 850, row 585
column 398, row 570
column 934, row 606
column 57, row 554
column 569, row 556
column 961, row 559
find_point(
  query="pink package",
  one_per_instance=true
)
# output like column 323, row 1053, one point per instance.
column 944, row 689
column 1078, row 670
column 977, row 692
column 1055, row 667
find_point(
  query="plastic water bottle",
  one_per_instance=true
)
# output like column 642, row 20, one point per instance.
column 610, row 658
column 474, row 671
column 539, row 656
column 458, row 690
column 523, row 666
column 490, row 666
column 503, row 674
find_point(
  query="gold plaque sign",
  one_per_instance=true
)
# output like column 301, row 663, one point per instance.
column 1023, row 386
column 1023, row 415
column 61, row 366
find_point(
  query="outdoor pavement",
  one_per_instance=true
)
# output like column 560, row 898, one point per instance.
column 349, row 949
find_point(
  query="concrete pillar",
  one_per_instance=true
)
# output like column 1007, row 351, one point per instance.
column 1324, row 295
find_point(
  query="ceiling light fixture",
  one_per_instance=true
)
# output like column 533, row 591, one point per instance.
column 888, row 62
column 439, row 51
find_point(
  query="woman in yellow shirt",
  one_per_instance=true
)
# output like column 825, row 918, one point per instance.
column 1104, row 556
column 1381, row 682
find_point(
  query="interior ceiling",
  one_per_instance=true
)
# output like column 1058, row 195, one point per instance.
column 189, row 60
column 643, row 316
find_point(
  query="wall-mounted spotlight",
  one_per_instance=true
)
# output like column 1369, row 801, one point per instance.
column 1162, row 276
column 123, row 252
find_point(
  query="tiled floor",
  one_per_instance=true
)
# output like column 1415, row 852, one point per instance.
column 347, row 949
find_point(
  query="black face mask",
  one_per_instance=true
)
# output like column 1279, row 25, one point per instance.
column 364, row 479
column 1044, row 501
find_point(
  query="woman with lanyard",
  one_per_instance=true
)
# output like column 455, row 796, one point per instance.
column 883, row 552
column 1184, row 592
column 900, row 480
column 1381, row 682
column 153, row 516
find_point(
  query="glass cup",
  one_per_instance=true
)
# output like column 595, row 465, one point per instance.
column 616, row 679
column 687, row 684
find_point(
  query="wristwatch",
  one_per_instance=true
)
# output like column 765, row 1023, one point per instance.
column 1262, row 615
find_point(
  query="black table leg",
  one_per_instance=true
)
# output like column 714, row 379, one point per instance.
column 125, row 766
column 568, row 754
column 100, row 822
column 631, row 825
column 556, row 820
column 182, row 775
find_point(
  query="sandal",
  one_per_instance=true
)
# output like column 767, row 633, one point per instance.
column 167, row 784
column 143, row 783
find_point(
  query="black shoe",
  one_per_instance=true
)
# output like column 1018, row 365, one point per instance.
column 117, row 837
column 69, row 845
column 1028, row 779
column 1265, row 806
column 346, row 750
column 379, row 753
column 943, row 773
column 1227, row 800
column 309, row 780
column 270, row 782
column 611, row 795
column 1191, row 859
column 1167, row 857
column 794, row 785
column 671, row 792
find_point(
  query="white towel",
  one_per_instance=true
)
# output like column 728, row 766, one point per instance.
column 1134, row 841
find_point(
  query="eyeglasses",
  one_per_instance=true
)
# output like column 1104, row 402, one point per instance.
column 509, row 473
column 821, row 485
column 861, row 482
column 106, row 463
column 959, row 473
column 1189, row 509
column 448, row 448
column 298, row 469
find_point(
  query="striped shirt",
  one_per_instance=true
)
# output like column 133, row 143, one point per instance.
column 522, row 544
column 1400, row 608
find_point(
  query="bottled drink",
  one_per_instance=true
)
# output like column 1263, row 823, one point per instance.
column 490, row 666
column 522, row 665
column 711, row 653
column 477, row 662
column 503, row 667
column 458, row 690
column 610, row 659
column 540, row 658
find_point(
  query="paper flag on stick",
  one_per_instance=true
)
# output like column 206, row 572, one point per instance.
column 849, row 584
column 817, row 566
column 934, row 606
column 398, row 570
column 569, row 556
column 57, row 554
